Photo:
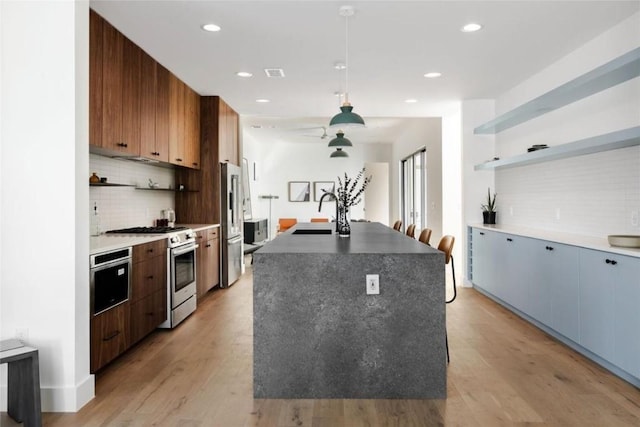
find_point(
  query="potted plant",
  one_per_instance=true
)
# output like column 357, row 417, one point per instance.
column 489, row 209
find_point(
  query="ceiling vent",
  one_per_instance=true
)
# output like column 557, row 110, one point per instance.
column 274, row 72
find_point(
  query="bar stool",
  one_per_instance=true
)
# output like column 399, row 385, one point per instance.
column 446, row 246
column 411, row 231
column 397, row 225
column 425, row 236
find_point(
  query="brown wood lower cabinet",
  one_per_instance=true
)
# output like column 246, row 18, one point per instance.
column 208, row 260
column 117, row 329
column 147, row 314
column 148, row 289
column 109, row 335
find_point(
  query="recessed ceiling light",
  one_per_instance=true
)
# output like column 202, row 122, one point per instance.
column 243, row 74
column 211, row 28
column 262, row 101
column 339, row 66
column 471, row 27
column 432, row 75
column 411, row 101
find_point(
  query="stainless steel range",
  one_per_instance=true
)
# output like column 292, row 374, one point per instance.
column 181, row 270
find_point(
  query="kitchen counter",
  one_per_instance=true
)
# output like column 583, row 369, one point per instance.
column 199, row 227
column 317, row 334
column 589, row 242
column 109, row 242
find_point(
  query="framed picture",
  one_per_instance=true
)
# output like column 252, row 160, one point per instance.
column 299, row 191
column 318, row 186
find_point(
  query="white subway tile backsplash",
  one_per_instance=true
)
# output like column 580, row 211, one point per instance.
column 121, row 207
column 592, row 195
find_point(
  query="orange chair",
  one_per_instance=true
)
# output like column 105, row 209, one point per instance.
column 397, row 225
column 286, row 223
column 319, row 219
column 425, row 236
column 446, row 246
column 411, row 231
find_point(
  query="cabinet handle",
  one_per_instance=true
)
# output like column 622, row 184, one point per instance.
column 112, row 336
column 199, row 237
column 149, row 250
column 122, row 144
column 178, row 160
column 611, row 261
column 208, row 245
column 549, row 248
column 150, row 313
column 150, row 277
column 481, row 233
column 509, row 239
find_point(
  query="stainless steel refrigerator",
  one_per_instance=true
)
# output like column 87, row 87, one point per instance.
column 231, row 223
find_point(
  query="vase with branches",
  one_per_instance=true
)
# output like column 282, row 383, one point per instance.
column 349, row 194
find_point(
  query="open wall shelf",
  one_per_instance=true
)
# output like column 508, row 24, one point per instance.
column 614, row 72
column 608, row 141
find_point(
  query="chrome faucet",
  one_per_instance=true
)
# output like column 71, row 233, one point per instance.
column 328, row 193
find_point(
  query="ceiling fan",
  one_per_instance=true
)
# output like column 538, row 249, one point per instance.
column 324, row 132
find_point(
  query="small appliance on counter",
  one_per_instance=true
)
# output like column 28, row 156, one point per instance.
column 170, row 216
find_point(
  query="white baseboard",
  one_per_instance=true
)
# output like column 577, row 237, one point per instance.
column 59, row 399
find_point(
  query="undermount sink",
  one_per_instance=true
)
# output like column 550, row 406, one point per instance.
column 312, row 231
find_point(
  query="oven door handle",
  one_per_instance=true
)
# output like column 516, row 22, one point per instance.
column 181, row 251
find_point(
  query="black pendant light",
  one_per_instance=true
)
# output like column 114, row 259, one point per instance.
column 338, row 143
column 346, row 117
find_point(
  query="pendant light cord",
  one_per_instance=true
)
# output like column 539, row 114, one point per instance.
column 346, row 59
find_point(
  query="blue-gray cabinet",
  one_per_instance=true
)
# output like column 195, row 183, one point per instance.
column 588, row 298
column 557, row 281
column 483, row 270
column 609, row 314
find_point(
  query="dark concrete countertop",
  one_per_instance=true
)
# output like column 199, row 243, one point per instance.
column 366, row 238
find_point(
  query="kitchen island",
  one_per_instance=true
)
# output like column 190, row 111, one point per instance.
column 317, row 334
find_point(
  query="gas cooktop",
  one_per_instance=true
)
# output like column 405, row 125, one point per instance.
column 147, row 230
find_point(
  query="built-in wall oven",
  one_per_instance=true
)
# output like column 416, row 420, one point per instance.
column 110, row 279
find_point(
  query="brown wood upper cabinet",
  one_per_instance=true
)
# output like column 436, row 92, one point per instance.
column 115, row 85
column 228, row 134
column 137, row 107
column 184, row 124
column 154, row 110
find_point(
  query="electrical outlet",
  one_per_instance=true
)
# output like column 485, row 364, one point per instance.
column 22, row 334
column 373, row 284
column 634, row 218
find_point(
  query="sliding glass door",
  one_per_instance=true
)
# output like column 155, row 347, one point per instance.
column 413, row 190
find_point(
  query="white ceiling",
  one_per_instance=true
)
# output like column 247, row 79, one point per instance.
column 392, row 44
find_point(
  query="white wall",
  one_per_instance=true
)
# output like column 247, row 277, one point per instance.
column 44, row 280
column 594, row 194
column 281, row 161
column 376, row 196
column 452, row 222
column 121, row 207
column 475, row 149
column 425, row 132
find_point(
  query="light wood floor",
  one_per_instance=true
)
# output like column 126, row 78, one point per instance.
column 503, row 371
